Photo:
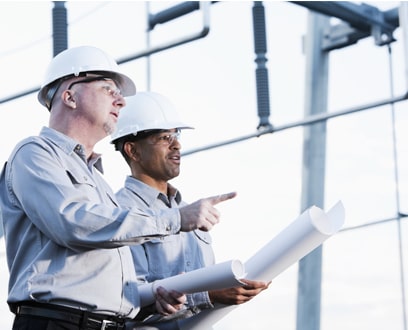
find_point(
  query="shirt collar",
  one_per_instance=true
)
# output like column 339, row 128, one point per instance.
column 147, row 193
column 69, row 146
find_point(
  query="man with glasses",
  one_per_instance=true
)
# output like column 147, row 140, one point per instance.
column 147, row 136
column 67, row 238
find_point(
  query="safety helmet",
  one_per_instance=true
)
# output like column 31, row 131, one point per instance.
column 78, row 61
column 146, row 111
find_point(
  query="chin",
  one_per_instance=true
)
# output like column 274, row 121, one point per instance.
column 109, row 129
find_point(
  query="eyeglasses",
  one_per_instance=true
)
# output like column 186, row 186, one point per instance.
column 164, row 139
column 109, row 90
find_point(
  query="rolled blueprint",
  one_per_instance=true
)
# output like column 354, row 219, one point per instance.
column 302, row 236
column 219, row 276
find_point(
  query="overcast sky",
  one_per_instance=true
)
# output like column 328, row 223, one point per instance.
column 212, row 82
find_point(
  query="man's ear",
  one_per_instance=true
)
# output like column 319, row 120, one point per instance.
column 68, row 98
column 130, row 149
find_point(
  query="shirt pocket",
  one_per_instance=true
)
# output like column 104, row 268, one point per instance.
column 84, row 183
column 165, row 256
column 78, row 178
column 203, row 236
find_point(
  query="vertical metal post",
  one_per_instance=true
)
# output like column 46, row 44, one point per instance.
column 313, row 173
column 59, row 27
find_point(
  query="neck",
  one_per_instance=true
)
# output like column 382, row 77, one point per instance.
column 80, row 133
column 160, row 185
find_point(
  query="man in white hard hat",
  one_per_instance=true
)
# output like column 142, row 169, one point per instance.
column 67, row 238
column 147, row 136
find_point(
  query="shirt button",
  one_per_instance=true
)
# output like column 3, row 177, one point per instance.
column 168, row 228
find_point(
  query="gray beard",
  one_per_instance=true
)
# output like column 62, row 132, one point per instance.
column 108, row 128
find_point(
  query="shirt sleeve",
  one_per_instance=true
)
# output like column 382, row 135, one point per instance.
column 199, row 301
column 66, row 205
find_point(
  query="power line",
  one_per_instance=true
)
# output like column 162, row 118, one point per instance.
column 25, row 47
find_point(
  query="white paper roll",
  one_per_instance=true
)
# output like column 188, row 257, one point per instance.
column 219, row 276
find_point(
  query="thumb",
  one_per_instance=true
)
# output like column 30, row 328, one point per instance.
column 221, row 198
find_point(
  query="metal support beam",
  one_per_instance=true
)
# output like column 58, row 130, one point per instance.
column 359, row 21
column 171, row 13
column 204, row 7
column 174, row 12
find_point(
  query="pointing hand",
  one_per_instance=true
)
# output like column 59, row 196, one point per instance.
column 202, row 214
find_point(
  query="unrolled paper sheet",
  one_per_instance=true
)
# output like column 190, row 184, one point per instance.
column 219, row 276
column 302, row 236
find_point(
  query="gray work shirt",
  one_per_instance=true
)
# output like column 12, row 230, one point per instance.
column 65, row 234
column 171, row 255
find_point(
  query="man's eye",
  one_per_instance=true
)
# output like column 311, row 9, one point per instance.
column 111, row 91
column 164, row 137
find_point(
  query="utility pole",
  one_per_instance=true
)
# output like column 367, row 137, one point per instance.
column 313, row 172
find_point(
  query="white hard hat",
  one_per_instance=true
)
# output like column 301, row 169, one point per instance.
column 146, row 111
column 78, row 60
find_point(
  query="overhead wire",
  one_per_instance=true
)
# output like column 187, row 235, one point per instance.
column 89, row 12
column 24, row 47
column 31, row 44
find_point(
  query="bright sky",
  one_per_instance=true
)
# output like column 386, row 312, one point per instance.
column 212, row 82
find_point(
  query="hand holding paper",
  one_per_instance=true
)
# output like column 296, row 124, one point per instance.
column 301, row 237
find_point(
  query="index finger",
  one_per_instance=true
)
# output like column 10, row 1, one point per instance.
column 221, row 198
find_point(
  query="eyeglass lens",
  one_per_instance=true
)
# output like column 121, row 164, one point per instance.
column 165, row 138
column 109, row 90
